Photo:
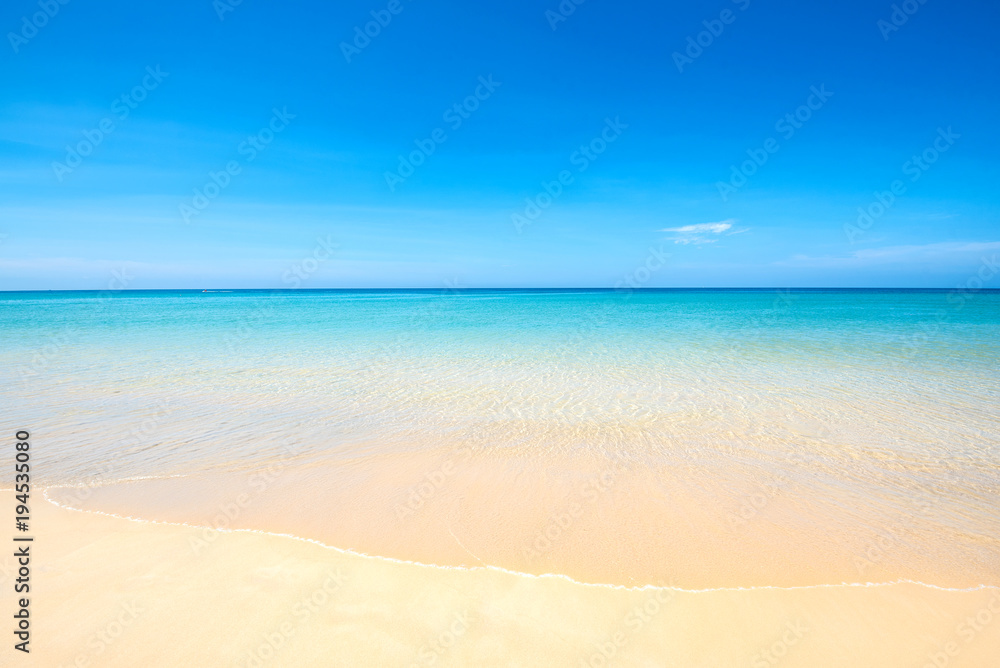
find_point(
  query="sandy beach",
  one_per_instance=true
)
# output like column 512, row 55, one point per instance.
column 561, row 334
column 116, row 592
column 512, row 490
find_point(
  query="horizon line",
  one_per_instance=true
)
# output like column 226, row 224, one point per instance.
column 503, row 289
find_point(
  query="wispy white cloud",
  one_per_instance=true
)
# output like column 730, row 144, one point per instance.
column 693, row 240
column 702, row 227
column 694, row 234
column 939, row 252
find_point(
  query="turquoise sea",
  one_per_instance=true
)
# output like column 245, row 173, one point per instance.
column 863, row 408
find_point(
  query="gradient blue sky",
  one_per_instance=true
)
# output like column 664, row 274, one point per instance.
column 450, row 223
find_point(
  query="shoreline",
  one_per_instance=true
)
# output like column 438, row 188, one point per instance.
column 495, row 568
column 255, row 600
column 587, row 519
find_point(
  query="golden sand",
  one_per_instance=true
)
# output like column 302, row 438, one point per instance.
column 595, row 520
column 109, row 591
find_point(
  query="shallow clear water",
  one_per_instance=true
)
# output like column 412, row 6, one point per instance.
column 788, row 423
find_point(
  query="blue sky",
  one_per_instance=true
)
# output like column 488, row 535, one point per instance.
column 311, row 121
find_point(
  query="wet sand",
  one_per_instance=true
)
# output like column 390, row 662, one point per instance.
column 115, row 592
column 594, row 519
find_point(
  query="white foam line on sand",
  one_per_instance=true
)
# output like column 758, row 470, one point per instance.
column 499, row 569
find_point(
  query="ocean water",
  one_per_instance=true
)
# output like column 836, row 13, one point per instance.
column 702, row 438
